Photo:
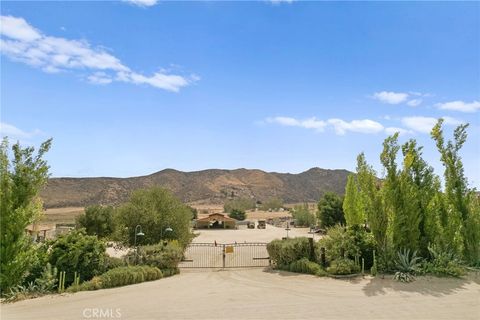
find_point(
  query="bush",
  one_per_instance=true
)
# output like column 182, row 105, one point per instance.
column 351, row 243
column 40, row 257
column 129, row 275
column 330, row 210
column 97, row 220
column 272, row 204
column 118, row 277
column 163, row 255
column 155, row 210
column 170, row 272
column 113, row 262
column 305, row 266
column 443, row 263
column 242, row 204
column 75, row 251
column 343, row 267
column 48, row 280
column 284, row 252
column 237, row 214
column 303, row 217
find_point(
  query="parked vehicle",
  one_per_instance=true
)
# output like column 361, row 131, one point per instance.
column 261, row 224
column 251, row 225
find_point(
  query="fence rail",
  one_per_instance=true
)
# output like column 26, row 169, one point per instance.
column 226, row 255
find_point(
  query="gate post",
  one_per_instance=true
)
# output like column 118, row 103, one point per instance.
column 312, row 249
column 322, row 257
column 223, row 257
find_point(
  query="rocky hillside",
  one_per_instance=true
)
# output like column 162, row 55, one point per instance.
column 207, row 186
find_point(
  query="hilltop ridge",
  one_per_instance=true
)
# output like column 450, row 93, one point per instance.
column 205, row 186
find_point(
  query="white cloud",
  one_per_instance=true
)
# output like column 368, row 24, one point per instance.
column 13, row 132
column 390, row 97
column 414, row 102
column 401, row 131
column 460, row 106
column 21, row 42
column 340, row 126
column 142, row 3
column 310, row 123
column 99, row 78
column 18, row 29
column 362, row 126
column 425, row 124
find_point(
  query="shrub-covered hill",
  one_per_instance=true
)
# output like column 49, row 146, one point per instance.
column 210, row 186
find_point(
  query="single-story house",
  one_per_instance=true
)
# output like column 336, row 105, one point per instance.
column 40, row 232
column 216, row 221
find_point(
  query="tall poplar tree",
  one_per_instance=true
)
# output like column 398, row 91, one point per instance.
column 350, row 205
column 460, row 200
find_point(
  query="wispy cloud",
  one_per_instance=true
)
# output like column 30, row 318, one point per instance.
column 414, row 102
column 412, row 99
column 24, row 43
column 410, row 125
column 340, row 126
column 390, row 97
column 425, row 124
column 401, row 131
column 361, row 126
column 11, row 131
column 142, row 3
column 310, row 123
column 460, row 106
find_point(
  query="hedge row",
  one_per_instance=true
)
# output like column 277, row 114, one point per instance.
column 284, row 252
column 162, row 255
column 118, row 277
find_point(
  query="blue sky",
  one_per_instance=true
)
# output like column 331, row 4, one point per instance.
column 127, row 89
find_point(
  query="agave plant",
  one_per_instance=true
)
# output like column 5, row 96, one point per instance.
column 406, row 265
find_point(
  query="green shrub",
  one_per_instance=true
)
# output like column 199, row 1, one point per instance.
column 129, row 275
column 40, row 258
column 113, row 262
column 330, row 210
column 352, row 243
column 94, row 284
column 162, row 255
column 155, row 209
column 75, row 251
column 170, row 272
column 284, row 252
column 97, row 220
column 343, row 267
column 48, row 280
column 237, row 214
column 303, row 217
column 242, row 204
column 305, row 266
column 272, row 204
column 443, row 263
column 450, row 269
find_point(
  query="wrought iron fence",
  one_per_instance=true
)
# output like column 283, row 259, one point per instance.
column 225, row 255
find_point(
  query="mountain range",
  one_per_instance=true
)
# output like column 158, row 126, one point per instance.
column 211, row 186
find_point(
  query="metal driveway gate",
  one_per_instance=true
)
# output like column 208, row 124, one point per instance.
column 228, row 255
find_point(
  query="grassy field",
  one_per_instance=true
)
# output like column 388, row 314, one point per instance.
column 61, row 215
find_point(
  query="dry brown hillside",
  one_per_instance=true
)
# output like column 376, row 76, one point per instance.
column 209, row 186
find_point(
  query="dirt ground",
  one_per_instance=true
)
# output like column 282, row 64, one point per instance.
column 62, row 215
column 248, row 235
column 261, row 294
